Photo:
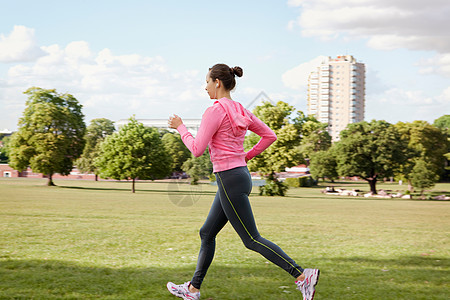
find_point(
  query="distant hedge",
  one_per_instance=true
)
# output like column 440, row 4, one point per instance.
column 305, row 181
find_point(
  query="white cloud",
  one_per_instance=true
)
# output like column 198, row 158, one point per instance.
column 387, row 24
column 439, row 64
column 297, row 77
column 19, row 46
column 411, row 104
column 107, row 85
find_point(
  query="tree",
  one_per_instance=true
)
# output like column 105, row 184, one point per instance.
column 443, row 123
column 285, row 151
column 315, row 137
column 50, row 134
column 422, row 177
column 323, row 164
column 370, row 150
column 4, row 156
column 177, row 151
column 134, row 152
column 425, row 142
column 96, row 133
column 198, row 167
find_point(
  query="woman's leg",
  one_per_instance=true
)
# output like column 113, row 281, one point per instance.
column 215, row 221
column 234, row 187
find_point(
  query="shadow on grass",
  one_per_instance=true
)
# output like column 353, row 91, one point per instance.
column 184, row 191
column 341, row 278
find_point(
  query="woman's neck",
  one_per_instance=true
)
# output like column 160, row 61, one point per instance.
column 223, row 94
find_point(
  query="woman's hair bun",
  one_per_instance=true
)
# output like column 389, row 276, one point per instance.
column 237, row 71
column 225, row 74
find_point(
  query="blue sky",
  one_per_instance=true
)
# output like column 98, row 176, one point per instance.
column 149, row 58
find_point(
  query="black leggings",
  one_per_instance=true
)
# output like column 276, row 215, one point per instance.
column 232, row 204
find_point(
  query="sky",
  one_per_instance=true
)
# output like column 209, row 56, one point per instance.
column 149, row 59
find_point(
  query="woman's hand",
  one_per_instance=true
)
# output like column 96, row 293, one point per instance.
column 174, row 122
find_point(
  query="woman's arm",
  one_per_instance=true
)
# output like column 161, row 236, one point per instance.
column 211, row 120
column 267, row 137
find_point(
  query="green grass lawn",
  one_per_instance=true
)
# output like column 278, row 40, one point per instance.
column 97, row 240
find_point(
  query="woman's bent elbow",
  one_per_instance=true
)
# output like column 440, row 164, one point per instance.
column 273, row 138
column 197, row 153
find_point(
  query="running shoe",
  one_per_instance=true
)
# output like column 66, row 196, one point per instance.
column 307, row 286
column 182, row 291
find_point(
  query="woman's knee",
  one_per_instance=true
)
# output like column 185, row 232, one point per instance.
column 205, row 234
column 250, row 243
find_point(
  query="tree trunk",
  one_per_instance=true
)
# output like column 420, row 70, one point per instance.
column 373, row 185
column 50, row 180
column 96, row 177
column 410, row 187
column 132, row 186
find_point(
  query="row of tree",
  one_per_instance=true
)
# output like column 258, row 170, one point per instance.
column 416, row 152
column 52, row 137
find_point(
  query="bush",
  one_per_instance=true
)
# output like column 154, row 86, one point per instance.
column 212, row 177
column 305, row 181
column 273, row 187
column 292, row 182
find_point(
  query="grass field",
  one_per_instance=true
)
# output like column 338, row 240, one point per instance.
column 97, row 240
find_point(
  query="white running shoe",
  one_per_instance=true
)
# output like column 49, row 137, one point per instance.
column 182, row 291
column 307, row 286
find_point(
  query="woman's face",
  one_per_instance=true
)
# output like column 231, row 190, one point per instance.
column 211, row 87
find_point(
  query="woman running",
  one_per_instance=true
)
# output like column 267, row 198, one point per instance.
column 223, row 128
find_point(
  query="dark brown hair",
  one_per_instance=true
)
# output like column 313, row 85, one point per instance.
column 225, row 74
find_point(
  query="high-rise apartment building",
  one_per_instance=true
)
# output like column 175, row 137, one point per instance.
column 336, row 93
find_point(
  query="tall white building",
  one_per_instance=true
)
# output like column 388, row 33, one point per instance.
column 336, row 93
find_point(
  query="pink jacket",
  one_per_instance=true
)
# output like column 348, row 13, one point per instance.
column 223, row 128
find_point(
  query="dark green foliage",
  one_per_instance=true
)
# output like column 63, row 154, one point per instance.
column 315, row 137
column 50, row 135
column 422, row 177
column 4, row 149
column 323, row 164
column 285, row 151
column 177, row 151
column 95, row 135
column 371, row 150
column 304, row 181
column 273, row 187
column 134, row 152
column 198, row 167
column 443, row 122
